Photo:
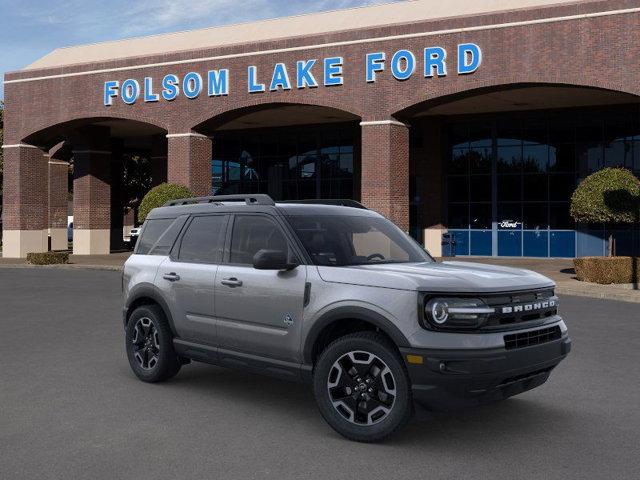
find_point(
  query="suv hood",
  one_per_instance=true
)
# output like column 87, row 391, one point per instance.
column 463, row 277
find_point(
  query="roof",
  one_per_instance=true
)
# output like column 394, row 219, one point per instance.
column 285, row 27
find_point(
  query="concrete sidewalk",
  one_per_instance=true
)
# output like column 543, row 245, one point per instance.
column 560, row 270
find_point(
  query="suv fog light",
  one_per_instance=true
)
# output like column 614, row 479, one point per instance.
column 456, row 312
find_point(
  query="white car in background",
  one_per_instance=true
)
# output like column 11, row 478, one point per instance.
column 133, row 237
column 69, row 228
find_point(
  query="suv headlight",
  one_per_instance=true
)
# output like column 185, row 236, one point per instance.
column 456, row 312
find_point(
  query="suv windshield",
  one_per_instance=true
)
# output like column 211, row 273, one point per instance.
column 340, row 240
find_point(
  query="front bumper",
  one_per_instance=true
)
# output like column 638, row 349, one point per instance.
column 449, row 379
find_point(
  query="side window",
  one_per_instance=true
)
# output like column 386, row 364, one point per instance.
column 204, row 240
column 252, row 233
column 168, row 238
column 151, row 232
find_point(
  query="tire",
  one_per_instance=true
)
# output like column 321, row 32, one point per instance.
column 149, row 345
column 368, row 414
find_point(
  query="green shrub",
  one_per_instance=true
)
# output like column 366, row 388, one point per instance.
column 607, row 270
column 158, row 196
column 611, row 195
column 48, row 258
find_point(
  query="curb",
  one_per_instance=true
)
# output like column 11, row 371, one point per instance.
column 621, row 297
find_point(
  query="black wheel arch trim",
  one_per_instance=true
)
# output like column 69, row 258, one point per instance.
column 147, row 290
column 355, row 313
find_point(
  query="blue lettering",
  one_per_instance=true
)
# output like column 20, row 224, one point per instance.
column 304, row 77
column 469, row 58
column 254, row 87
column 149, row 96
column 375, row 63
column 192, row 85
column 434, row 58
column 403, row 64
column 170, row 87
column 280, row 78
column 110, row 92
column 218, row 82
column 333, row 71
column 130, row 91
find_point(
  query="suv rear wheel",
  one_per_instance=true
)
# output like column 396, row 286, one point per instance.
column 149, row 345
column 362, row 388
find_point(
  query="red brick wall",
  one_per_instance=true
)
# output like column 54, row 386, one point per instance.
column 385, row 171
column 599, row 52
column 92, row 190
column 189, row 163
column 25, row 187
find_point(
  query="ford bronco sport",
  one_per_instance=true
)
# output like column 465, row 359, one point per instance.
column 330, row 293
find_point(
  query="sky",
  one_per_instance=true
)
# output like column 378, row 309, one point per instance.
column 29, row 29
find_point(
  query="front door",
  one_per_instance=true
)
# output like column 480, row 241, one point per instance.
column 259, row 311
column 188, row 277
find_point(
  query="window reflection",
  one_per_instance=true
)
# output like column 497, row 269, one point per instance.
column 290, row 163
column 538, row 159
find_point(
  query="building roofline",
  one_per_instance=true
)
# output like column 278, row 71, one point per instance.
column 282, row 28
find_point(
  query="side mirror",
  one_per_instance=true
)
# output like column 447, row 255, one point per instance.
column 272, row 260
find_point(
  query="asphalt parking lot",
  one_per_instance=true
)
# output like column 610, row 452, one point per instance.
column 71, row 408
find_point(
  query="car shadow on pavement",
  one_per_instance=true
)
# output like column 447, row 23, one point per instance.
column 501, row 421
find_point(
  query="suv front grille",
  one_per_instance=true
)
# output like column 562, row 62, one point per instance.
column 518, row 307
column 534, row 337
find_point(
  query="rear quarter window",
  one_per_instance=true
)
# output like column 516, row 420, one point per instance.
column 152, row 231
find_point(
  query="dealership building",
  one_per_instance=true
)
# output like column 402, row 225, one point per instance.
column 476, row 118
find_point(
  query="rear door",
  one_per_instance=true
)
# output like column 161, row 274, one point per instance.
column 259, row 311
column 187, row 277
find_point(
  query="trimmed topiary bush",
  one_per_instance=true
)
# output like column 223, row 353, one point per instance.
column 158, row 196
column 48, row 258
column 607, row 270
column 611, row 195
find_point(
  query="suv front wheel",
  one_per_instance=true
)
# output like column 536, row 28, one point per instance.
column 149, row 345
column 362, row 388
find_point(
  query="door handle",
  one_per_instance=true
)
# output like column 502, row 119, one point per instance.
column 172, row 277
column 231, row 282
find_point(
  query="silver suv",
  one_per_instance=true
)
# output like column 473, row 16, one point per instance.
column 333, row 294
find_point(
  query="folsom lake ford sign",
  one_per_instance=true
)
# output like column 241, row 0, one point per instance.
column 308, row 73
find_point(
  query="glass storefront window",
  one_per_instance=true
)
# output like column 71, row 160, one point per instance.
column 538, row 159
column 286, row 163
column 510, row 159
column 480, row 216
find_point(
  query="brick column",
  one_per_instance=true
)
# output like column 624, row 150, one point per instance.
column 25, row 210
column 91, row 202
column 91, row 191
column 189, row 161
column 58, row 191
column 385, row 170
column 158, row 160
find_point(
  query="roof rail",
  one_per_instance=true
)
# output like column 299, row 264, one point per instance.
column 257, row 199
column 343, row 202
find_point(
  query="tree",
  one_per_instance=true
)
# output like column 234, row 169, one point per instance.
column 611, row 195
column 160, row 195
column 136, row 180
